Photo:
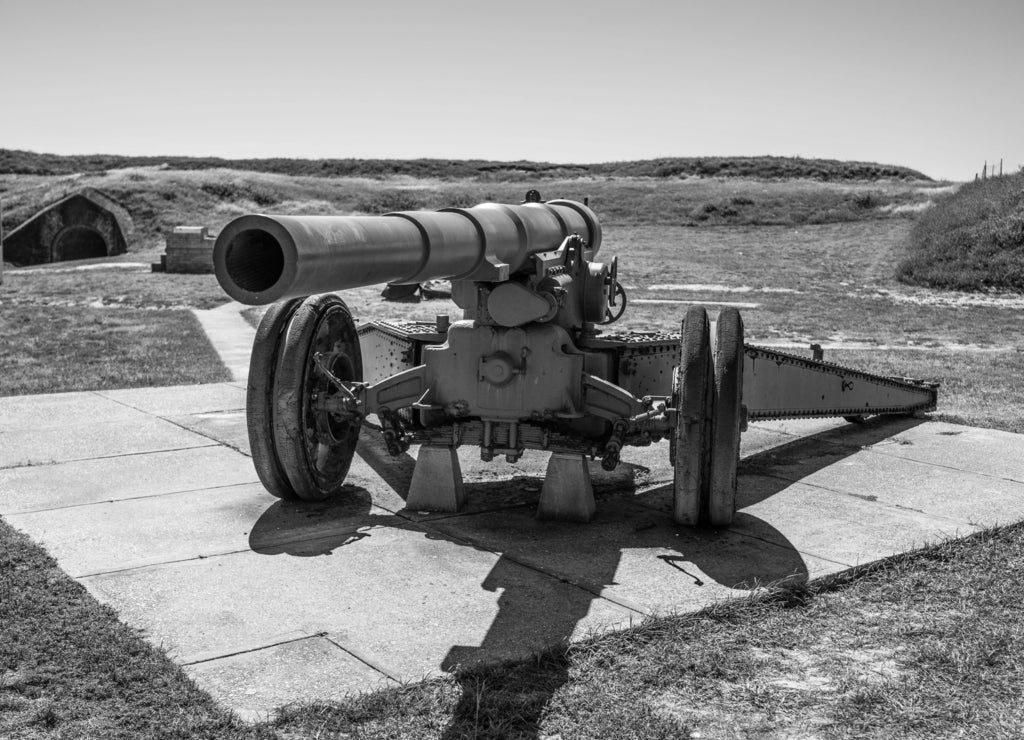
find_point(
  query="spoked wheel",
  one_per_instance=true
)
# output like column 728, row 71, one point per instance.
column 314, row 438
column 693, row 397
column 728, row 410
column 259, row 400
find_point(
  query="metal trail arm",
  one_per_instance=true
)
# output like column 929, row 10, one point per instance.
column 777, row 385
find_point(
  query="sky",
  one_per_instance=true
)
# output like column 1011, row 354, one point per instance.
column 933, row 85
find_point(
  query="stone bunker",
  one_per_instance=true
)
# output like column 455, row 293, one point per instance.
column 84, row 225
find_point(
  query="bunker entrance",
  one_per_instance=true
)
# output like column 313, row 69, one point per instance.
column 78, row 243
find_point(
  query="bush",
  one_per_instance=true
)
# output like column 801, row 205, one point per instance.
column 866, row 201
column 386, row 201
column 972, row 239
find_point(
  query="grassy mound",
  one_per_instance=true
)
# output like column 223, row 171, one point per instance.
column 972, row 239
column 19, row 162
column 159, row 199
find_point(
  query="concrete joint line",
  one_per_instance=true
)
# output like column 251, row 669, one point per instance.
column 254, row 649
column 456, row 515
column 125, row 404
column 363, row 658
column 45, row 463
column 101, row 394
column 944, row 467
column 783, row 547
column 590, row 589
column 159, row 564
column 132, row 498
column 867, row 499
column 207, row 436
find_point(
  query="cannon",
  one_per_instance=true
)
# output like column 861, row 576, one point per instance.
column 531, row 364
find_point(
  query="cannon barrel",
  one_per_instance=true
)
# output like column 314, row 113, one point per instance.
column 261, row 259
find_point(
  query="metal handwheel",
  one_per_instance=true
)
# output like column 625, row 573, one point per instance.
column 727, row 419
column 693, row 397
column 314, row 436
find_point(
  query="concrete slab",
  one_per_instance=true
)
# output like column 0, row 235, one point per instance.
column 874, row 475
column 636, row 557
column 132, row 533
column 409, row 600
column 956, row 447
column 178, row 400
column 72, row 484
column 149, row 501
column 20, row 414
column 226, row 427
column 83, row 440
column 231, row 336
column 313, row 668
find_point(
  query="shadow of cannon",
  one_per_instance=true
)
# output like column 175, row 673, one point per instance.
column 585, row 558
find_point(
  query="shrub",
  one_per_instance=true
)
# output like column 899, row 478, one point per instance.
column 386, row 201
column 866, row 201
column 223, row 190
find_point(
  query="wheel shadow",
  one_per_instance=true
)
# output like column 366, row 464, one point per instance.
column 578, row 564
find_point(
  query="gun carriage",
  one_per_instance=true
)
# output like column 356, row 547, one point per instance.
column 531, row 363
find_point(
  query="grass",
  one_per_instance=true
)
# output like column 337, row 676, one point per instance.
column 972, row 239
column 68, row 330
column 57, row 348
column 70, row 669
column 922, row 645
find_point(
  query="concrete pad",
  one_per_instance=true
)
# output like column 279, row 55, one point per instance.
column 133, row 533
column 983, row 451
column 313, row 668
column 266, row 601
column 226, row 427
column 758, row 439
column 411, row 600
column 79, row 440
column 54, row 410
column 177, row 400
column 840, row 528
column 231, row 336
column 637, row 557
column 904, row 483
column 72, row 484
column 837, row 527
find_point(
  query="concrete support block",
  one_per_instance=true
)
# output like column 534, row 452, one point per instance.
column 567, row 493
column 436, row 481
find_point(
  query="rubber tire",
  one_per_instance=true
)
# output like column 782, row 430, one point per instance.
column 694, row 399
column 323, row 323
column 259, row 398
column 728, row 390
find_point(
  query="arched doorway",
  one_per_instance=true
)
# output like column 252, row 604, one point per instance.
column 78, row 243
